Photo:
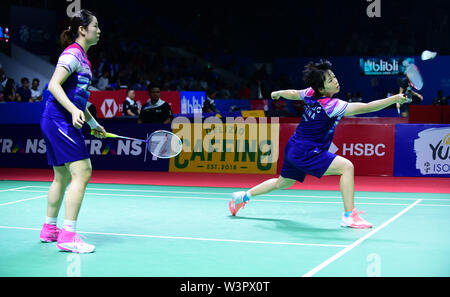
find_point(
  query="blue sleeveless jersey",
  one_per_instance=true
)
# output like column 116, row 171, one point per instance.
column 75, row 60
column 319, row 120
column 64, row 142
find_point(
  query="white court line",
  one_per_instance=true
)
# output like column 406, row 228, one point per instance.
column 225, row 199
column 256, row 200
column 359, row 241
column 266, row 195
column 17, row 201
column 440, row 205
column 193, row 238
column 15, row 189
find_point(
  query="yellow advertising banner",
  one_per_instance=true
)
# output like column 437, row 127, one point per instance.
column 237, row 146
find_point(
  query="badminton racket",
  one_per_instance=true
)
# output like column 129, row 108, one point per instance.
column 162, row 144
column 415, row 80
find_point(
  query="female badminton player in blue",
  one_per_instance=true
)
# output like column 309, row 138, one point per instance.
column 61, row 122
column 307, row 150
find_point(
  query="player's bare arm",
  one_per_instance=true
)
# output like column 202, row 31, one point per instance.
column 287, row 94
column 360, row 108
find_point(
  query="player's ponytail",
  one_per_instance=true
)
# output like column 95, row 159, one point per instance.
column 82, row 18
column 66, row 38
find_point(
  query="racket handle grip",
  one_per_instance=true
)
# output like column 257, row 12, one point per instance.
column 110, row 135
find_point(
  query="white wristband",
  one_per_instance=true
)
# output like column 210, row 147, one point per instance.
column 93, row 123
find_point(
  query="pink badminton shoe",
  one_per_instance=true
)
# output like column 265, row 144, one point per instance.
column 237, row 202
column 72, row 242
column 355, row 221
column 49, row 233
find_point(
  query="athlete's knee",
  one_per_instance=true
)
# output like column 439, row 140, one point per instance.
column 284, row 183
column 348, row 167
column 62, row 179
column 86, row 173
column 62, row 176
column 82, row 174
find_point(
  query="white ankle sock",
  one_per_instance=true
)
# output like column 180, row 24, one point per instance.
column 70, row 225
column 50, row 221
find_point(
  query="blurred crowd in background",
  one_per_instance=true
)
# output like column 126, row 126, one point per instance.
column 229, row 48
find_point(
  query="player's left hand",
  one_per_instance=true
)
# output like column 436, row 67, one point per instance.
column 99, row 132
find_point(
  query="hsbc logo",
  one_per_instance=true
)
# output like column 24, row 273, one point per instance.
column 360, row 149
column 363, row 149
column 109, row 108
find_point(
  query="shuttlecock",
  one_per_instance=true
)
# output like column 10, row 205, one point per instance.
column 427, row 55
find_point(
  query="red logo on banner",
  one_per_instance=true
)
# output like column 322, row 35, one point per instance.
column 109, row 108
column 108, row 103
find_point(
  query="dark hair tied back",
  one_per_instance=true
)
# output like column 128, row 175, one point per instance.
column 82, row 18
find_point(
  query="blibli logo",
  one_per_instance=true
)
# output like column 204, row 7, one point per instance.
column 382, row 66
column 191, row 106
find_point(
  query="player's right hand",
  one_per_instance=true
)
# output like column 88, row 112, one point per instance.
column 99, row 132
column 400, row 98
column 275, row 95
column 78, row 118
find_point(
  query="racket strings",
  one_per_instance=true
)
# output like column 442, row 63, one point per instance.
column 164, row 144
column 414, row 76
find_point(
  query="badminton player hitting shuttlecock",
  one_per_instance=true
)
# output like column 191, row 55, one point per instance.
column 307, row 150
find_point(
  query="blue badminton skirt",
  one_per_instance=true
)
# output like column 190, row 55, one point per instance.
column 298, row 162
column 64, row 142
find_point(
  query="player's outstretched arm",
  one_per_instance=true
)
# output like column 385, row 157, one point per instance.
column 287, row 94
column 359, row 108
